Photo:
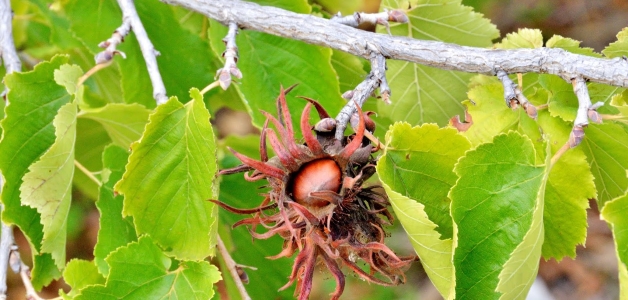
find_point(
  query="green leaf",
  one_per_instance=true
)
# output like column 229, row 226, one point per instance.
column 614, row 212
column 620, row 47
column 169, row 178
column 114, row 231
column 496, row 217
column 350, row 70
column 435, row 254
column 570, row 183
column 424, row 171
column 346, row 7
column 123, row 122
column 605, row 93
column 105, row 13
column 563, row 101
column 141, row 271
column 47, row 186
column 606, row 147
column 79, row 274
column 298, row 6
column 417, row 177
column 519, row 272
column 28, row 132
column 60, row 36
column 423, row 94
column 44, row 270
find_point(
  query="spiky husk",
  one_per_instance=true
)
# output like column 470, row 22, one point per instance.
column 331, row 225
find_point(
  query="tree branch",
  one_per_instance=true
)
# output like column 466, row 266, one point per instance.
column 322, row 32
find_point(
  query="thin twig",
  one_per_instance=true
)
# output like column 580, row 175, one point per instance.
column 381, row 18
column 31, row 294
column 148, row 50
column 326, row 33
column 559, row 153
column 231, row 58
column 87, row 172
column 613, row 117
column 233, row 269
column 12, row 64
column 375, row 79
column 210, row 87
column 93, row 70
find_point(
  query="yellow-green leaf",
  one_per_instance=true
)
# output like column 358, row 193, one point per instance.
column 620, row 47
column 524, row 38
column 79, row 274
column 47, row 186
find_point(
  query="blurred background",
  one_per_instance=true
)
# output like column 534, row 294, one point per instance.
column 592, row 275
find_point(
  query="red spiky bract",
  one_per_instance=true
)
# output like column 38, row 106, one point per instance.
column 317, row 203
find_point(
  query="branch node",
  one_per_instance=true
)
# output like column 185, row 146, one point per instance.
column 585, row 108
column 510, row 96
column 348, row 94
column 375, row 79
column 576, row 136
column 231, row 58
column 513, row 95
